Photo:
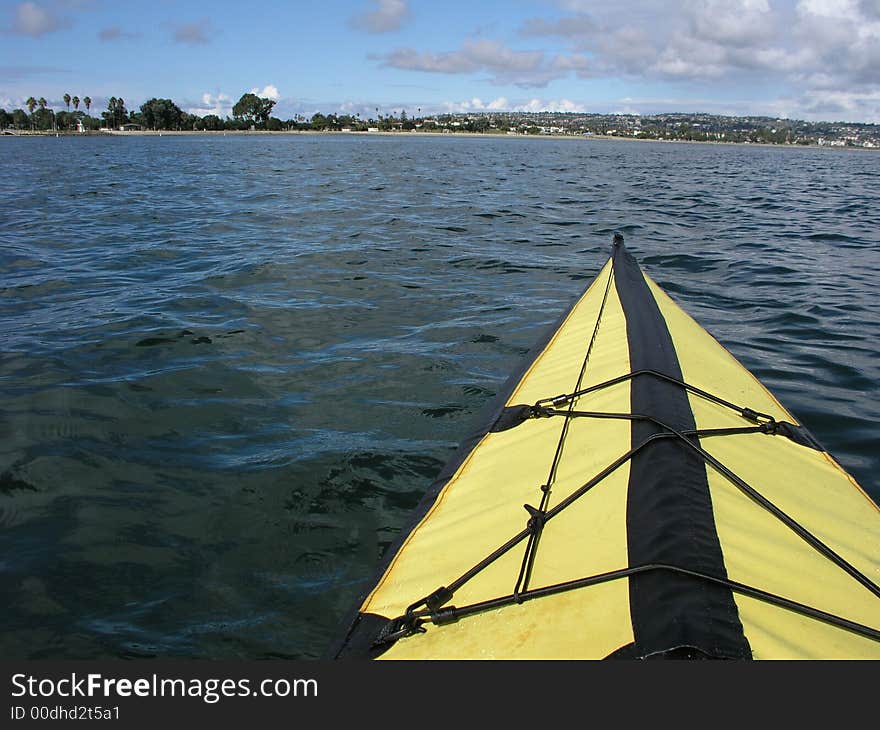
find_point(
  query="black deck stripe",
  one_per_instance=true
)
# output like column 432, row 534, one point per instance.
column 669, row 509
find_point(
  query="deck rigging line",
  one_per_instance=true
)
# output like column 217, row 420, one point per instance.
column 436, row 612
column 536, row 520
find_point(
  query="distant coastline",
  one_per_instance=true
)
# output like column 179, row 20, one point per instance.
column 252, row 113
column 600, row 138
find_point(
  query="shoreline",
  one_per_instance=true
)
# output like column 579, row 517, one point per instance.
column 479, row 135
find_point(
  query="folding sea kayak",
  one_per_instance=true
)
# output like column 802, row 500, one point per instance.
column 637, row 493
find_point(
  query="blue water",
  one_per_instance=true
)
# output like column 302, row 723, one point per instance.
column 230, row 366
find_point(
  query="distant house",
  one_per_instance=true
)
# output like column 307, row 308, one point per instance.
column 80, row 127
column 130, row 128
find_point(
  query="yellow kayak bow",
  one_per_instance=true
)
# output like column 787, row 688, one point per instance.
column 637, row 493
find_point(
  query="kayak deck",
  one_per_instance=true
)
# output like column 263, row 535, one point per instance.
column 637, row 493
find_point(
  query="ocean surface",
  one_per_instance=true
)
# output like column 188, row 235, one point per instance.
column 231, row 366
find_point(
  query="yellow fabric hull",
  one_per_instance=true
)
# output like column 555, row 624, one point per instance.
column 699, row 564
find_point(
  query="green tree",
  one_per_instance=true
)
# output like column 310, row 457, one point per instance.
column 480, row 124
column 68, row 120
column 253, row 109
column 44, row 118
column 212, row 122
column 162, row 114
column 76, row 103
column 31, row 104
column 67, row 98
column 115, row 116
column 91, row 123
column 5, row 119
column 87, row 100
column 20, row 119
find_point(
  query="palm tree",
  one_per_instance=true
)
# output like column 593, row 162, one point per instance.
column 43, row 103
column 75, row 101
column 66, row 98
column 31, row 105
column 87, row 100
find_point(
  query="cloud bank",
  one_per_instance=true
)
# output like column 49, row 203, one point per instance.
column 820, row 57
column 502, row 65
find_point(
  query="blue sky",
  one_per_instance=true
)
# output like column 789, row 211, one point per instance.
column 807, row 59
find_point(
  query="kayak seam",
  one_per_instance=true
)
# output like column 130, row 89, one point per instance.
column 833, row 462
column 656, row 288
column 441, row 496
column 553, row 339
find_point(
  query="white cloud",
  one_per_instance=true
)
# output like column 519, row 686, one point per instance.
column 219, row 104
column 870, row 8
column 553, row 105
column 731, row 22
column 34, row 20
column 472, row 105
column 841, row 105
column 386, row 16
column 577, row 62
column 502, row 104
column 572, row 26
column 192, row 34
column 267, row 92
column 847, row 9
column 503, row 64
column 844, row 41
